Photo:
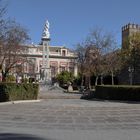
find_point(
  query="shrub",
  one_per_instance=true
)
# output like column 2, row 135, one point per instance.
column 10, row 78
column 25, row 80
column 16, row 91
column 65, row 77
column 31, row 80
column 131, row 93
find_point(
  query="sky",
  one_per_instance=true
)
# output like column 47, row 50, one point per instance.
column 72, row 20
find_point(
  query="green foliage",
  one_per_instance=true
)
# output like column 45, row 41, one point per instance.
column 14, row 91
column 131, row 93
column 131, row 50
column 77, row 80
column 91, row 55
column 25, row 80
column 65, row 77
column 10, row 78
column 130, row 58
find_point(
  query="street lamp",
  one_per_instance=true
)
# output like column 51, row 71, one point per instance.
column 131, row 70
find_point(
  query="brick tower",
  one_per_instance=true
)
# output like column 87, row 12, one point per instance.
column 128, row 30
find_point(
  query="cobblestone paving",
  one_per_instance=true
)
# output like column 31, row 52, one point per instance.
column 71, row 114
column 61, row 116
column 57, row 94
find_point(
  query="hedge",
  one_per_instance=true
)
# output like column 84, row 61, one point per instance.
column 131, row 93
column 18, row 91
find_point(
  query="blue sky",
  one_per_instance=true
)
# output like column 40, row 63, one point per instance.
column 72, row 20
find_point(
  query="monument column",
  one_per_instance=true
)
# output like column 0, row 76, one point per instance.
column 45, row 42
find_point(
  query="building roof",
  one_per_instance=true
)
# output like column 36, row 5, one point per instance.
column 51, row 48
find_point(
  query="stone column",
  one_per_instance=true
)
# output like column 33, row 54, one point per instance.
column 45, row 42
column 46, row 65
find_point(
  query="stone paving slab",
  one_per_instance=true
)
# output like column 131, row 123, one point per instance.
column 68, row 115
column 63, row 95
column 74, row 119
column 57, row 94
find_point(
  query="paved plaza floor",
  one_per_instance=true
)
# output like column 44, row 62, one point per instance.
column 69, row 119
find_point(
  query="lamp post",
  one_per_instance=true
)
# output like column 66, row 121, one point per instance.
column 131, row 70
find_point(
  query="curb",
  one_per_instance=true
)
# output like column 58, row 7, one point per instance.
column 20, row 101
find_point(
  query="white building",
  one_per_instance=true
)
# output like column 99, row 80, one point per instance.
column 60, row 59
column 43, row 62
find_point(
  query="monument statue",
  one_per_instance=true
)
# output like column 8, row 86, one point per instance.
column 46, row 33
column 45, row 70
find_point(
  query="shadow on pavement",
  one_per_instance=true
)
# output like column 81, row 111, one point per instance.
column 14, row 136
column 114, row 101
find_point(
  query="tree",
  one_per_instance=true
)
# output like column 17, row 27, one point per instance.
column 92, row 52
column 65, row 77
column 92, row 63
column 113, row 63
column 11, row 48
column 81, row 57
column 86, row 55
column 99, row 43
column 134, row 46
column 12, row 38
column 111, row 57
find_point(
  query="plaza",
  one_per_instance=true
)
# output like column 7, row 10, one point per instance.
column 67, row 117
column 69, row 70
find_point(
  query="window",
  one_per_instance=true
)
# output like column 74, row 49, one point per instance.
column 62, row 69
column 63, row 53
column 53, row 71
column 71, row 69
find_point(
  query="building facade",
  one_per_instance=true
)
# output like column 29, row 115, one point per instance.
column 43, row 62
column 60, row 59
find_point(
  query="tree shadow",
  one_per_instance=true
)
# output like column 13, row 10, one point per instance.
column 116, row 101
column 14, row 136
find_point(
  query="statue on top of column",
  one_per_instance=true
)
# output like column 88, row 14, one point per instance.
column 46, row 33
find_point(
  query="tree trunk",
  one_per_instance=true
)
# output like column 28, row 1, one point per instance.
column 82, row 82
column 96, row 81
column 101, row 80
column 4, row 75
column 112, row 77
column 89, row 83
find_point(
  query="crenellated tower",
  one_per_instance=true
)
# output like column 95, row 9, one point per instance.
column 128, row 30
